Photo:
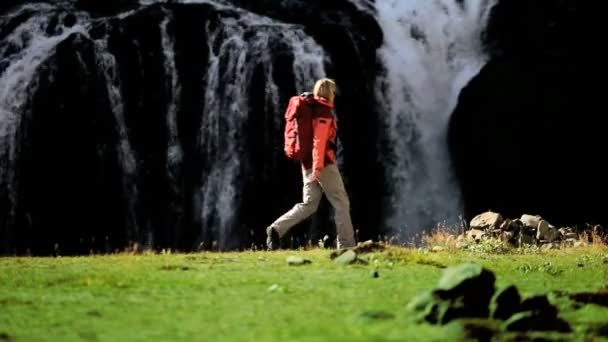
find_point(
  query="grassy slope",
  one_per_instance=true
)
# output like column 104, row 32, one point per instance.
column 230, row 296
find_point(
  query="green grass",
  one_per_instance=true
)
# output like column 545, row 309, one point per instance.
column 256, row 296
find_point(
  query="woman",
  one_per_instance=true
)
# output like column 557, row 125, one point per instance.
column 320, row 174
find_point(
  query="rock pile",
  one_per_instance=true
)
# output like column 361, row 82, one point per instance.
column 526, row 230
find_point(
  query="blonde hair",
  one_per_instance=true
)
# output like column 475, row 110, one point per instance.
column 326, row 88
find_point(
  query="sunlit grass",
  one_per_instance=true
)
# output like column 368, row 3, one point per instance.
column 256, row 295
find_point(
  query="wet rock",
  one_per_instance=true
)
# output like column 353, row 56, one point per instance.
column 70, row 20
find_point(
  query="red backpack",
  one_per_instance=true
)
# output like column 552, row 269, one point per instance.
column 298, row 126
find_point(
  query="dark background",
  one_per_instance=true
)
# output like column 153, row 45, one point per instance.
column 526, row 136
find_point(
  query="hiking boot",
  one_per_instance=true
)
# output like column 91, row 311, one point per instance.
column 272, row 239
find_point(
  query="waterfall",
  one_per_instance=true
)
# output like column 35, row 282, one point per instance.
column 237, row 48
column 242, row 50
column 432, row 49
column 21, row 53
column 126, row 155
column 174, row 148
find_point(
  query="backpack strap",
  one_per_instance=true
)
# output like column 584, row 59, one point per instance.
column 334, row 145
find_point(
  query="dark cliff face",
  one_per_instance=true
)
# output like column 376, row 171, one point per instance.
column 68, row 162
column 73, row 189
column 526, row 136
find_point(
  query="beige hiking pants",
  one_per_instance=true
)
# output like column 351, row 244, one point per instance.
column 329, row 182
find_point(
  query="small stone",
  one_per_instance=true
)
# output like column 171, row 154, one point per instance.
column 274, row 288
column 297, row 260
column 347, row 257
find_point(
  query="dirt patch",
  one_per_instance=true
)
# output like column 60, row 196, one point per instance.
column 377, row 315
column 174, row 268
column 362, row 247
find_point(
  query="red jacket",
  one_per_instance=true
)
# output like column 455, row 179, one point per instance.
column 324, row 128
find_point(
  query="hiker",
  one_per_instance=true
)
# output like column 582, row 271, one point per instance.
column 320, row 173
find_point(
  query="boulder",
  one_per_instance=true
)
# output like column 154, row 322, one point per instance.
column 487, row 220
column 530, row 221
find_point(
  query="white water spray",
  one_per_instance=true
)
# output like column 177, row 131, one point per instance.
column 126, row 156
column 174, row 148
column 432, row 48
column 22, row 52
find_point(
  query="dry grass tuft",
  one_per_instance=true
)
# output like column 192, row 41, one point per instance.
column 595, row 236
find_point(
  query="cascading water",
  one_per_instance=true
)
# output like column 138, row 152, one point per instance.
column 126, row 157
column 21, row 54
column 237, row 48
column 241, row 51
column 432, row 48
column 212, row 95
column 175, row 154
